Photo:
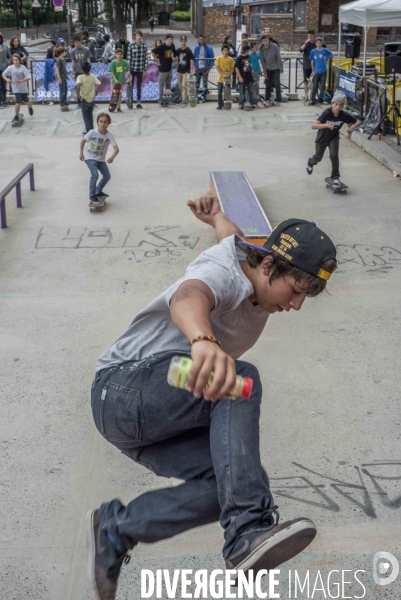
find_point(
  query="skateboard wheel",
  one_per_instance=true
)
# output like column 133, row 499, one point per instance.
column 327, row 185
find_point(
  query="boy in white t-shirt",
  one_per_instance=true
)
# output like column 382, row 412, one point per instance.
column 97, row 142
column 18, row 76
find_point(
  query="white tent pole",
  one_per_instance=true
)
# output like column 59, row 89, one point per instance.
column 364, row 51
column 339, row 41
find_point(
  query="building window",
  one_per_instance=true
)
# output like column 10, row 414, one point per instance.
column 277, row 8
column 300, row 14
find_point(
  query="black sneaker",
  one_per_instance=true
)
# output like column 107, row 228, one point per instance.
column 119, row 109
column 270, row 548
column 102, row 194
column 139, row 105
column 312, row 104
column 30, row 109
column 336, row 182
column 94, row 200
column 309, row 169
column 219, row 108
column 104, row 560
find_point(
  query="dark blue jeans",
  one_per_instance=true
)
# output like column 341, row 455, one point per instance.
column 213, row 448
column 273, row 80
column 247, row 88
column 63, row 93
column 319, row 82
column 94, row 166
column 87, row 114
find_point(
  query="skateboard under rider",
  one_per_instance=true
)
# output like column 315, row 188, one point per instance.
column 115, row 97
column 129, row 100
column 101, row 205
column 227, row 100
column 192, row 94
column 19, row 122
column 338, row 188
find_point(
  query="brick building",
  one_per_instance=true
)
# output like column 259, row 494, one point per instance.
column 288, row 19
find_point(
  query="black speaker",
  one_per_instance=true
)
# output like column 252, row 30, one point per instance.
column 392, row 57
column 352, row 46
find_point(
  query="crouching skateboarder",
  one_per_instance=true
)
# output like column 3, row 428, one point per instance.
column 214, row 314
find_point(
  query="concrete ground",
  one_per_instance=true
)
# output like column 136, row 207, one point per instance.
column 73, row 280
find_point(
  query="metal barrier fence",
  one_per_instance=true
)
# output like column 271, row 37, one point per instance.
column 291, row 79
column 366, row 93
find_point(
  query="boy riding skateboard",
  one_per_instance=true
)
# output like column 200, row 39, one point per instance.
column 328, row 125
column 214, row 314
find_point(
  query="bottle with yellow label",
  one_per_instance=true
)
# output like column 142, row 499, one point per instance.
column 180, row 367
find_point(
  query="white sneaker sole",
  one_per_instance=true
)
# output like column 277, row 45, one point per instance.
column 280, row 547
column 91, row 545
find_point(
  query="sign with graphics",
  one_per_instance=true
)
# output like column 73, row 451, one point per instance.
column 58, row 3
column 36, row 4
column 347, row 83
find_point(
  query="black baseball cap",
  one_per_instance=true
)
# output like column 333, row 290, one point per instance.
column 300, row 243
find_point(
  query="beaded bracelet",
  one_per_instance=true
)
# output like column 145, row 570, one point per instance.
column 208, row 338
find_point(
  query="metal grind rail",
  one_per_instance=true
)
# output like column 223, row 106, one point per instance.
column 15, row 183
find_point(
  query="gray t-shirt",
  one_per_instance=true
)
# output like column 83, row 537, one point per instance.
column 16, row 74
column 235, row 321
column 80, row 56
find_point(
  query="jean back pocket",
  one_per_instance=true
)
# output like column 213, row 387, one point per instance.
column 121, row 414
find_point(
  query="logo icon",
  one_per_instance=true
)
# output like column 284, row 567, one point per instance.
column 385, row 568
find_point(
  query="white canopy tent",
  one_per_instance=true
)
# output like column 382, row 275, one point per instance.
column 369, row 13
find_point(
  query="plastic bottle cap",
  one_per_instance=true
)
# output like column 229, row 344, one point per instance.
column 248, row 385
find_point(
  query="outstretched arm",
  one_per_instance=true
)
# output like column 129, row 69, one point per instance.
column 207, row 209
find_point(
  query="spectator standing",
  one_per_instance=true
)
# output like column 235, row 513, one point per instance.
column 123, row 44
column 79, row 56
column 272, row 66
column 118, row 68
column 16, row 48
column 18, row 75
column 245, row 80
column 268, row 32
column 61, row 56
column 5, row 56
column 99, row 37
column 138, row 59
column 255, row 64
column 50, row 49
column 164, row 55
column 228, row 40
column 185, row 66
column 204, row 61
column 151, row 23
column 225, row 67
column 318, row 58
column 90, row 44
column 239, row 45
column 306, row 48
column 87, row 87
column 108, row 52
column 93, row 150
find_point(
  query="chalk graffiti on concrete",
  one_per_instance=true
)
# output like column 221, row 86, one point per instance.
column 150, row 243
column 327, row 492
column 372, row 258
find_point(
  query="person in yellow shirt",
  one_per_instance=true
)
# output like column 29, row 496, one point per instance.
column 225, row 68
column 87, row 87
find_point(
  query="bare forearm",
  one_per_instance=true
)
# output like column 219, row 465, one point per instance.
column 224, row 227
